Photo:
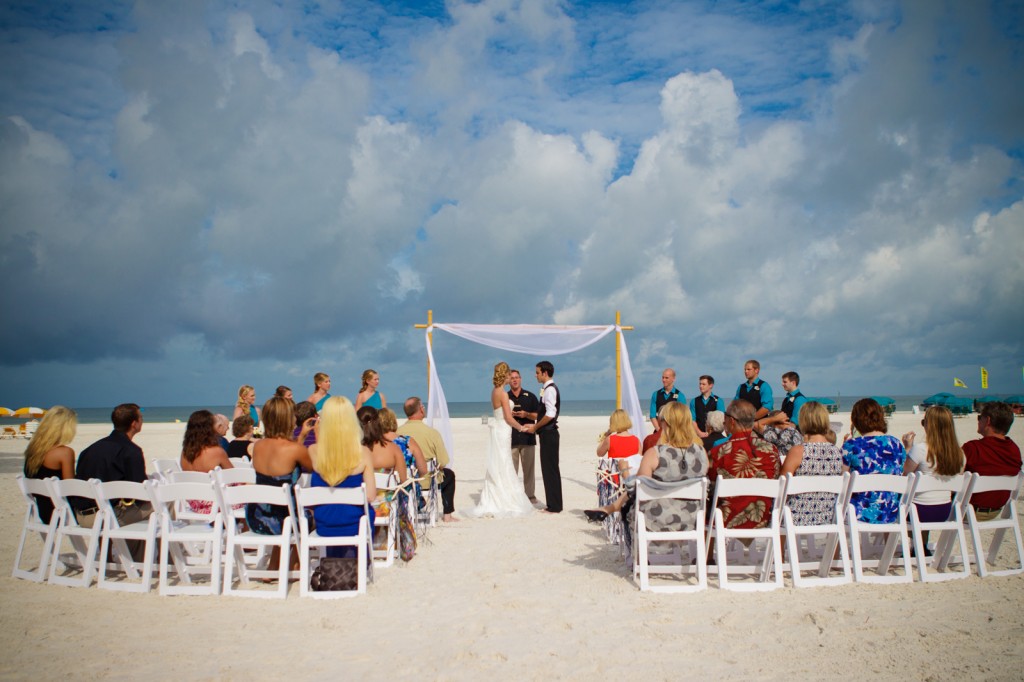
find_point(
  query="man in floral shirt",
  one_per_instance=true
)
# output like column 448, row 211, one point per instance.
column 744, row 455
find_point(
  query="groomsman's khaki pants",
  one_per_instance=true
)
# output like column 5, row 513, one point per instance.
column 527, row 455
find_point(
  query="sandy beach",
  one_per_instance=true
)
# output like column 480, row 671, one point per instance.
column 537, row 598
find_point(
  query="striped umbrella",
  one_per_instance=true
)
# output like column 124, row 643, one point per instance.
column 29, row 412
column 5, row 412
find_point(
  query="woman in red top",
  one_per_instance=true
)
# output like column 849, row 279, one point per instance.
column 618, row 444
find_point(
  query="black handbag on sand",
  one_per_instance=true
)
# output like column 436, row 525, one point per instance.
column 335, row 574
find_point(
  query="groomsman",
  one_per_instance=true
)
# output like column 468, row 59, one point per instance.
column 704, row 403
column 666, row 394
column 755, row 390
column 525, row 407
column 547, row 432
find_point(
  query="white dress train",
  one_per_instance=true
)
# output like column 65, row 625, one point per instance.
column 502, row 494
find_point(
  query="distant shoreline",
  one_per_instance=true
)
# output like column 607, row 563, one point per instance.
column 570, row 408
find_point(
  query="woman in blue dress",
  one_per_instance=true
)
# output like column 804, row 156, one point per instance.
column 872, row 451
column 368, row 393
column 247, row 404
column 322, row 384
column 340, row 461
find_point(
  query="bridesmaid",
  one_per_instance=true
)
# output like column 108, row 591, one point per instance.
column 247, row 404
column 322, row 384
column 368, row 394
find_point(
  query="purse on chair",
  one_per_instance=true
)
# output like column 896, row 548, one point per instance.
column 335, row 574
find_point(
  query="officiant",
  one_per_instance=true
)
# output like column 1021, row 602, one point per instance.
column 525, row 407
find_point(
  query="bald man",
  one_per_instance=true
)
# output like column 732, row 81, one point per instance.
column 668, row 393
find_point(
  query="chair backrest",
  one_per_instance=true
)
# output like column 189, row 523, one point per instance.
column 73, row 487
column 188, row 477
column 30, row 487
column 259, row 494
column 110, row 492
column 690, row 489
column 889, row 483
column 241, row 462
column 312, row 497
column 799, row 485
column 927, row 483
column 985, row 484
column 166, row 466
column 236, row 476
column 386, row 481
column 749, row 487
column 170, row 493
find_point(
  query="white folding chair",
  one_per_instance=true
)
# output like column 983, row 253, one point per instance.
column 895, row 533
column 760, row 564
column 1005, row 521
column 179, row 534
column 949, row 530
column 307, row 499
column 433, row 507
column 165, row 467
column 384, row 553
column 138, row 576
column 33, row 523
column 85, row 542
column 834, row 533
column 644, row 563
column 240, row 462
column 237, row 540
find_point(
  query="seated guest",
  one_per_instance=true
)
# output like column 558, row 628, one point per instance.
column 322, row 386
column 816, row 456
column 386, row 456
column 415, row 462
column 305, row 411
column 715, row 422
column 939, row 455
column 241, row 429
column 340, row 461
column 652, row 438
column 678, row 457
column 116, row 458
column 48, row 454
column 744, row 455
column 201, row 452
column 432, row 444
column 284, row 392
column 247, row 404
column 620, row 445
column 221, row 425
column 868, row 450
column 277, row 459
column 994, row 454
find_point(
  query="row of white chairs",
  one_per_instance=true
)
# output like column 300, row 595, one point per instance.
column 824, row 554
column 205, row 551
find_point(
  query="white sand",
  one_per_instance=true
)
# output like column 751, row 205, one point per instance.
column 540, row 597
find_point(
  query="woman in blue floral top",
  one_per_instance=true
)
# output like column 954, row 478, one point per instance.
column 873, row 452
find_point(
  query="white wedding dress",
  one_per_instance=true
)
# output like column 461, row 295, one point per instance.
column 502, row 494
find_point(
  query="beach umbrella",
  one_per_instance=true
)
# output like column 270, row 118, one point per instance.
column 939, row 399
column 29, row 412
column 882, row 400
column 1015, row 400
column 4, row 412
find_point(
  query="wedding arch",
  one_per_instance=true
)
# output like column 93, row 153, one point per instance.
column 540, row 341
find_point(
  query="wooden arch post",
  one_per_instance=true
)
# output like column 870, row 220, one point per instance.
column 430, row 340
column 618, row 358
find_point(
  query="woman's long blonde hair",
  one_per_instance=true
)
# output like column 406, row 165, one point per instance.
column 945, row 456
column 338, row 447
column 679, row 430
column 242, row 390
column 501, row 372
column 57, row 427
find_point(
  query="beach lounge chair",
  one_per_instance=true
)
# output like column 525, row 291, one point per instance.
column 729, row 548
column 236, row 540
column 832, row 534
column 865, row 537
column 138, row 576
column 694, row 563
column 1005, row 521
column 306, row 499
column 9, row 432
column 185, row 534
column 32, row 525
column 930, row 569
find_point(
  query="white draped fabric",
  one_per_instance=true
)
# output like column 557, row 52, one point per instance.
column 533, row 339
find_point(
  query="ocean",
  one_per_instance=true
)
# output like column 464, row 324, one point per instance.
column 570, row 408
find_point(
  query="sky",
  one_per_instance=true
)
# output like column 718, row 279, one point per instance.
column 198, row 195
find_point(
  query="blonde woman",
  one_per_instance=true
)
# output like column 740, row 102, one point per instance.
column 502, row 494
column 368, row 393
column 940, row 455
column 340, row 461
column 48, row 453
column 322, row 387
column 247, row 404
column 620, row 445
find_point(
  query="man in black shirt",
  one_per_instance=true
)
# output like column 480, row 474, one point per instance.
column 524, row 408
column 116, row 458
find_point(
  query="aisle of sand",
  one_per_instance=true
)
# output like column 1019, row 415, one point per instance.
column 540, row 597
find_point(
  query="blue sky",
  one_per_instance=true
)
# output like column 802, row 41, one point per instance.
column 197, row 195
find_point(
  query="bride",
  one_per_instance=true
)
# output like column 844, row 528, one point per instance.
column 502, row 494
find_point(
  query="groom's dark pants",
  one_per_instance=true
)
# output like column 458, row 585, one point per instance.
column 548, row 439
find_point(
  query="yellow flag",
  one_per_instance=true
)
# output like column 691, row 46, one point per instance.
column 958, row 383
column 984, row 378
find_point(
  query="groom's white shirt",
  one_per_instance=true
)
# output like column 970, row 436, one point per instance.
column 548, row 398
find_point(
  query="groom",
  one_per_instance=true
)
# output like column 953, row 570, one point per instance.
column 547, row 433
